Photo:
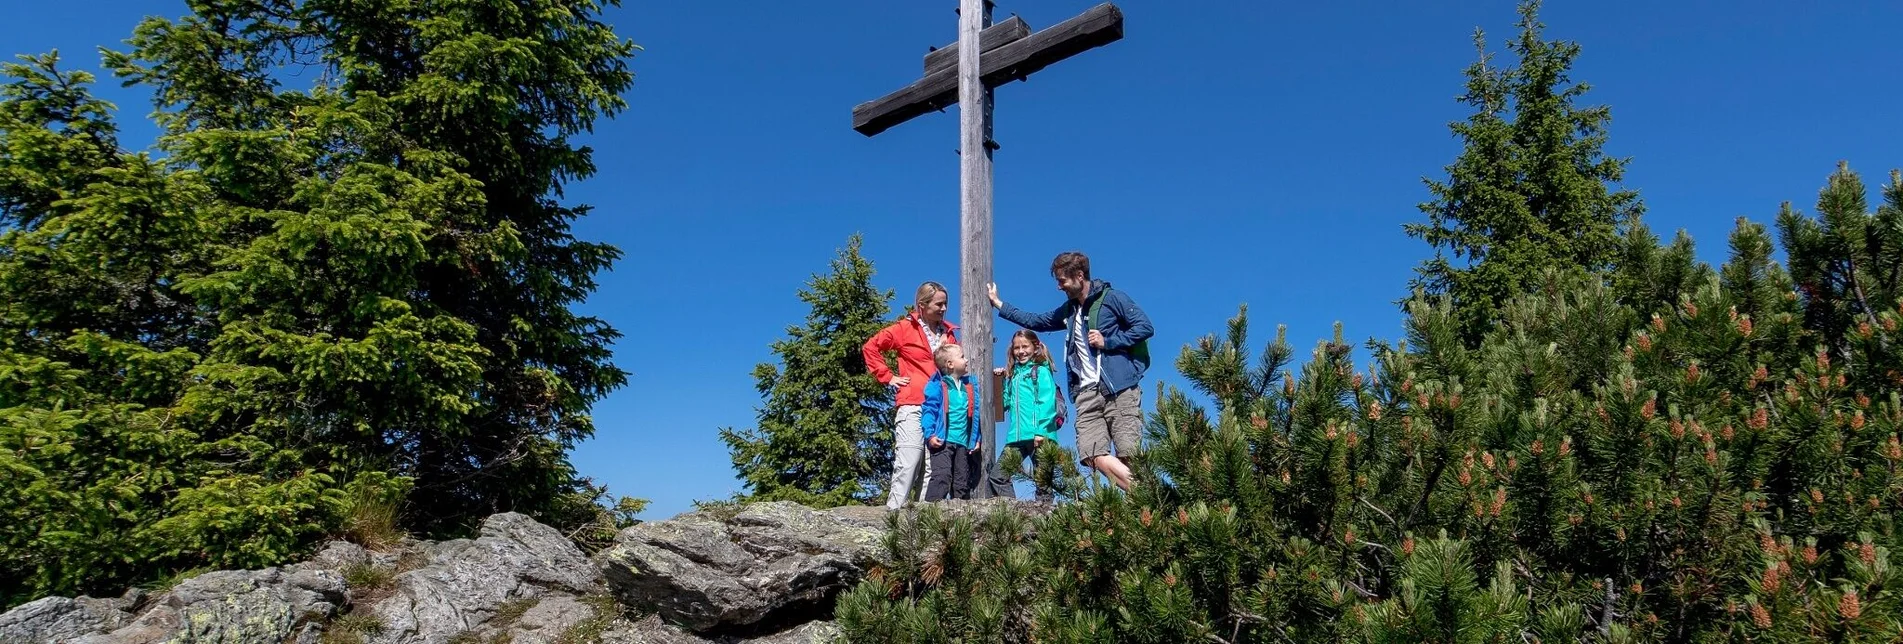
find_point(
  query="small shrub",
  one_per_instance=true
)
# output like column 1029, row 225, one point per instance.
column 719, row 510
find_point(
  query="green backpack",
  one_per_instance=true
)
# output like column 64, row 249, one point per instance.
column 1139, row 351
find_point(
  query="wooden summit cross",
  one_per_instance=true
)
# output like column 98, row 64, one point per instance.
column 959, row 74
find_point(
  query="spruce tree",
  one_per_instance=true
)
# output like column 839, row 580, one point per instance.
column 315, row 305
column 824, row 432
column 1532, row 190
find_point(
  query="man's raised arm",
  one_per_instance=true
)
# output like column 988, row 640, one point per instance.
column 1040, row 322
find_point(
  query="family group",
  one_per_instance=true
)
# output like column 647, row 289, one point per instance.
column 1106, row 352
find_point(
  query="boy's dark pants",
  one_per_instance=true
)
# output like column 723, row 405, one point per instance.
column 954, row 469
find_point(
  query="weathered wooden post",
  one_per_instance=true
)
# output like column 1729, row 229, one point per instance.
column 987, row 55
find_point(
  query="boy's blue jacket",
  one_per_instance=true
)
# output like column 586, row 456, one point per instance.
column 932, row 413
column 1123, row 326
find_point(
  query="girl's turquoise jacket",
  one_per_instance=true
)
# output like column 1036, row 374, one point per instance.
column 1030, row 402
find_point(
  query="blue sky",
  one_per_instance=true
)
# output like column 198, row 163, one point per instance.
column 1224, row 152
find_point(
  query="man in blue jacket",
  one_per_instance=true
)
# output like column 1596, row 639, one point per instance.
column 1106, row 351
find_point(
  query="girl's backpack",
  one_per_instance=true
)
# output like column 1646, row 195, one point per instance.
column 1063, row 407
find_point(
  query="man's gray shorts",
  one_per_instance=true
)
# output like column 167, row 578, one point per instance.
column 1103, row 421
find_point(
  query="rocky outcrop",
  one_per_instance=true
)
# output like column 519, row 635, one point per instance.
column 63, row 619
column 654, row 630
column 269, row 605
column 766, row 574
column 519, row 569
column 273, row 605
column 769, row 565
column 518, row 579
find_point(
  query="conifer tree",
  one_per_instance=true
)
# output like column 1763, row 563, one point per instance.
column 1532, row 189
column 824, row 433
column 314, row 300
column 1848, row 265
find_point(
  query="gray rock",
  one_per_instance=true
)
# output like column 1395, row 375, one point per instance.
column 651, row 631
column 274, row 604
column 808, row 633
column 654, row 630
column 766, row 575
column 339, row 556
column 466, row 581
column 868, row 516
column 549, row 619
column 771, row 562
column 269, row 605
column 62, row 619
column 539, row 620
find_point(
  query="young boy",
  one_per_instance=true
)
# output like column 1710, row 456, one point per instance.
column 951, row 435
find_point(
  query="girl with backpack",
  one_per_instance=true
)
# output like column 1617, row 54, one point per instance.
column 1032, row 402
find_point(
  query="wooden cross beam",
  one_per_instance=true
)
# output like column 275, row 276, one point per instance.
column 994, row 36
column 984, row 57
column 1010, row 60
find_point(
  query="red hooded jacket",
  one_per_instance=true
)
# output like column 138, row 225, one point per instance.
column 907, row 337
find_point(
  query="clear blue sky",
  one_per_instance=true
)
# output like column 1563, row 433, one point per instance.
column 1223, row 152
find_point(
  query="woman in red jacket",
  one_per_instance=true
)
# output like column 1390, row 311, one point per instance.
column 913, row 338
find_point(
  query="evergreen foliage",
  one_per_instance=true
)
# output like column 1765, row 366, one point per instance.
column 1531, row 191
column 1586, row 435
column 1709, row 471
column 307, row 305
column 824, row 433
column 1848, row 264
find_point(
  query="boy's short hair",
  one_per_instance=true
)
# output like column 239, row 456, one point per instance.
column 1070, row 262
column 942, row 357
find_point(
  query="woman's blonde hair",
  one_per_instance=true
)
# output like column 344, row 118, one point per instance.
column 926, row 290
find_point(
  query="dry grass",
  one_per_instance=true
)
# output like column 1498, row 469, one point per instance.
column 369, row 583
column 354, row 628
column 512, row 610
column 372, row 523
column 590, row 630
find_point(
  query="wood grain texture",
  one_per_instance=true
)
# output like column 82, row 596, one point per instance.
column 1099, row 26
column 974, row 209
column 994, row 36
